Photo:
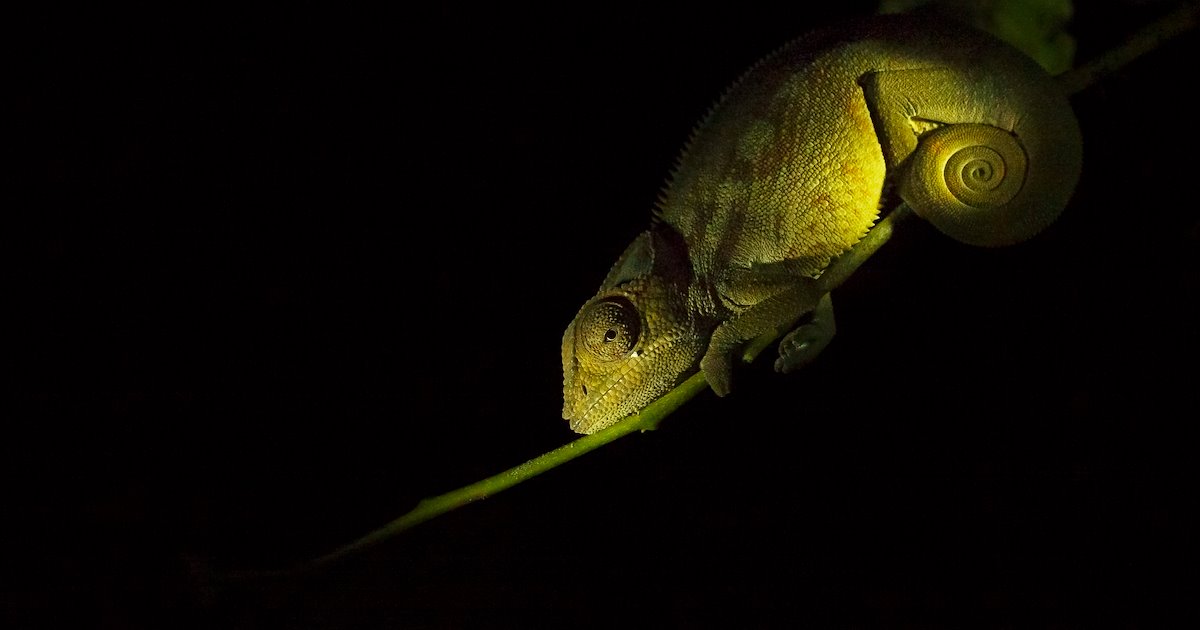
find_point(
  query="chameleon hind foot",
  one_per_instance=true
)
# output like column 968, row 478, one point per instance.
column 802, row 346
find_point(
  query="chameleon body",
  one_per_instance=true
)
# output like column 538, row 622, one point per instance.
column 787, row 174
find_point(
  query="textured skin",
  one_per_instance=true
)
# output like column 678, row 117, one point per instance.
column 788, row 172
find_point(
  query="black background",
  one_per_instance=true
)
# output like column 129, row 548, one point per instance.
column 280, row 275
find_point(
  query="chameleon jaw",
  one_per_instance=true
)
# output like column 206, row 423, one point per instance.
column 644, row 368
column 587, row 422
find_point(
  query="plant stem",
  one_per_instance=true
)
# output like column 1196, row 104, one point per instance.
column 648, row 419
column 426, row 509
column 1143, row 41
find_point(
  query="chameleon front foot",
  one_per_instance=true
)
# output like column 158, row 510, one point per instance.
column 718, row 370
column 768, row 318
column 802, row 346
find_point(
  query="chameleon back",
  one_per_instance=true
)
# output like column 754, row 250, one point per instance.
column 792, row 164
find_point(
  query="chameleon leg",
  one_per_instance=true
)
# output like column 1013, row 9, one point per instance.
column 787, row 303
column 801, row 346
column 770, row 317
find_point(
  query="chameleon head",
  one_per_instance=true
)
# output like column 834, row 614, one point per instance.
column 633, row 341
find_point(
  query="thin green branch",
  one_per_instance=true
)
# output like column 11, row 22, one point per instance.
column 1146, row 39
column 649, row 418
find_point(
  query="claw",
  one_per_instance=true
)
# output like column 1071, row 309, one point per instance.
column 801, row 347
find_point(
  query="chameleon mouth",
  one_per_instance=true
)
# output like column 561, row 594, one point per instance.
column 586, row 422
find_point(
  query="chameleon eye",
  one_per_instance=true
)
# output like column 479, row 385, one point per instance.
column 610, row 328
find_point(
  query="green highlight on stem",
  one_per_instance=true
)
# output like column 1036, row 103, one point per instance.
column 431, row 507
column 1148, row 38
column 646, row 420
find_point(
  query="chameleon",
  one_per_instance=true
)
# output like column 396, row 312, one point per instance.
column 784, row 189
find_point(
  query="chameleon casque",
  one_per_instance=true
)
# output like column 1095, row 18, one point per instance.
column 768, row 207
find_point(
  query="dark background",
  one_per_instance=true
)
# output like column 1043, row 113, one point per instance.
column 280, row 275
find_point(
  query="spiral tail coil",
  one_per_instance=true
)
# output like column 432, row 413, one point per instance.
column 990, row 157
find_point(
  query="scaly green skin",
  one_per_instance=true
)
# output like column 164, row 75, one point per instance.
column 788, row 173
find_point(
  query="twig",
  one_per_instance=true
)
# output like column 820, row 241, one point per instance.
column 1143, row 41
column 648, row 419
